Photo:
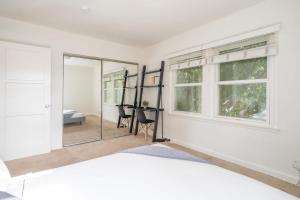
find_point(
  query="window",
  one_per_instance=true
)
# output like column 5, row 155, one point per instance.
column 107, row 90
column 242, row 87
column 188, row 89
column 237, row 85
column 113, row 86
column 118, row 89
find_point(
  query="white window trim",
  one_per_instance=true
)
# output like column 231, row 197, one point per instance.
column 209, row 86
column 270, row 112
column 112, row 79
column 210, row 94
column 105, row 90
column 173, row 85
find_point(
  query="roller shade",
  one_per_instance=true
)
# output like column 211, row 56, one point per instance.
column 252, row 48
column 260, row 46
column 188, row 60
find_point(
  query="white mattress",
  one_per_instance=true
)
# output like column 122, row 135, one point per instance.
column 125, row 176
column 77, row 115
column 68, row 111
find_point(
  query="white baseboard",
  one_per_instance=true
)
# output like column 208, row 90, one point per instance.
column 280, row 175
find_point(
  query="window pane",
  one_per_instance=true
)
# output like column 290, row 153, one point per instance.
column 105, row 96
column 118, row 83
column 188, row 99
column 119, row 75
column 244, row 69
column 109, row 96
column 243, row 101
column 108, row 91
column 107, row 84
column 189, row 75
column 118, row 96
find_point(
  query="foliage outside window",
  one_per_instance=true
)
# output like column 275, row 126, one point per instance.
column 188, row 87
column 243, row 89
column 107, row 90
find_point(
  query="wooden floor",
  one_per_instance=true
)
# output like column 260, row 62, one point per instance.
column 90, row 130
column 92, row 150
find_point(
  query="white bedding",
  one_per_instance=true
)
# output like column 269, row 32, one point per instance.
column 125, row 176
column 68, row 111
column 77, row 115
column 4, row 176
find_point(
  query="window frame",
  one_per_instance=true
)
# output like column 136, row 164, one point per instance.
column 270, row 117
column 210, row 99
column 210, row 93
column 116, row 89
column 113, row 77
column 174, row 85
column 105, row 90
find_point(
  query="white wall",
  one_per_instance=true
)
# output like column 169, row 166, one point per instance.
column 261, row 149
column 61, row 42
column 79, row 89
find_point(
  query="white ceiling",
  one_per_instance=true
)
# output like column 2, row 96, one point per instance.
column 134, row 22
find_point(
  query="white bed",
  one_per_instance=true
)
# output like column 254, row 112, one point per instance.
column 141, row 177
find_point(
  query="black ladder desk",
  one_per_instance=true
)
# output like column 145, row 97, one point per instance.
column 133, row 106
column 158, row 108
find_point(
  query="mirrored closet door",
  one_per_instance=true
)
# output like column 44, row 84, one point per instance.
column 119, row 94
column 82, row 100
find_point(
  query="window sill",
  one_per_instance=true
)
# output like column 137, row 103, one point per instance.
column 188, row 114
column 232, row 122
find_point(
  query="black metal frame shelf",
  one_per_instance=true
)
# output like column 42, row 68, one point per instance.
column 152, row 86
column 130, row 87
column 126, row 76
column 133, row 75
column 158, row 108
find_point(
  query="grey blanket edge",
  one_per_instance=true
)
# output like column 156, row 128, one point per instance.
column 7, row 196
column 164, row 152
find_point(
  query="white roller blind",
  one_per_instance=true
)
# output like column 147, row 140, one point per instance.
column 260, row 46
column 188, row 60
column 251, row 48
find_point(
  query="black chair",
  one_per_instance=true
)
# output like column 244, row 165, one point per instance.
column 145, row 123
column 124, row 118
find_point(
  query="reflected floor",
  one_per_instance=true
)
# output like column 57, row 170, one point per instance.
column 90, row 130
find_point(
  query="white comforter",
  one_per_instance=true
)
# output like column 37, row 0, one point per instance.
column 125, row 176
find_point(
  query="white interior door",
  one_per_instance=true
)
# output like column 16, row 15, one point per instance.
column 25, row 100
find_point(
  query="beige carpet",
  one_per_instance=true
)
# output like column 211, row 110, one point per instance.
column 110, row 130
column 90, row 130
column 73, row 154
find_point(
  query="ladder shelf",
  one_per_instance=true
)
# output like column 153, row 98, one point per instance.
column 156, row 109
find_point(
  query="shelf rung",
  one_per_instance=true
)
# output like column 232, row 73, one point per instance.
column 130, row 87
column 126, row 105
column 153, row 71
column 151, row 86
column 133, row 75
column 151, row 108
